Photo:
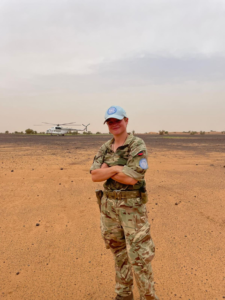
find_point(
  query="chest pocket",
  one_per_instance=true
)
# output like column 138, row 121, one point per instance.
column 112, row 159
column 120, row 162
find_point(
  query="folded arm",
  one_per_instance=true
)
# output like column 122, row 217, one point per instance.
column 114, row 172
column 123, row 178
column 105, row 172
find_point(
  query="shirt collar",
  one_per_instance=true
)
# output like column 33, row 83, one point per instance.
column 127, row 142
column 129, row 139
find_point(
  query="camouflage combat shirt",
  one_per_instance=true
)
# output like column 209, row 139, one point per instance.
column 132, row 155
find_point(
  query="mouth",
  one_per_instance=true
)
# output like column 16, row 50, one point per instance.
column 114, row 128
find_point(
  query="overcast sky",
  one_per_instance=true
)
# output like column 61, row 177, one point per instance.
column 163, row 61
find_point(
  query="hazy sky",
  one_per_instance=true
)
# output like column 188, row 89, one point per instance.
column 64, row 61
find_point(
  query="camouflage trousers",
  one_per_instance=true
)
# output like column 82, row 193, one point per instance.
column 126, row 231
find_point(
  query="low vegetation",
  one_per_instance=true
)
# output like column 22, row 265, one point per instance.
column 162, row 132
column 30, row 131
column 87, row 132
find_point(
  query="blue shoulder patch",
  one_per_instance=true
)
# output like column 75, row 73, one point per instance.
column 143, row 164
column 112, row 110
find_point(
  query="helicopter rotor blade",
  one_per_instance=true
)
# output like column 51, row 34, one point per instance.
column 85, row 126
column 71, row 124
column 67, row 123
column 49, row 123
column 75, row 125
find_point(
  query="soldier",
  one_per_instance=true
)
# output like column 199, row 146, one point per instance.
column 121, row 163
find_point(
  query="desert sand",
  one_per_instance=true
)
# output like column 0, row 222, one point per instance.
column 50, row 242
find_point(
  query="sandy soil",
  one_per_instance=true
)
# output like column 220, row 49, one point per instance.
column 45, row 181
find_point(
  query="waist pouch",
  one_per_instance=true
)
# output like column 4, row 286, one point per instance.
column 119, row 195
column 99, row 194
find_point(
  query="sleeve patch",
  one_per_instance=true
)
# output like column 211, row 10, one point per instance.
column 140, row 153
column 143, row 164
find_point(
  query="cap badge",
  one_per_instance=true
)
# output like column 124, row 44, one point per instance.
column 112, row 110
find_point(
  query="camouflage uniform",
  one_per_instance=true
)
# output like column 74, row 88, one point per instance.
column 124, row 223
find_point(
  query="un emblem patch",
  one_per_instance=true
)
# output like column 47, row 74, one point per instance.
column 143, row 164
column 112, row 110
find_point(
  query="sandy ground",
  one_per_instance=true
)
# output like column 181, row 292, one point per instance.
column 45, row 181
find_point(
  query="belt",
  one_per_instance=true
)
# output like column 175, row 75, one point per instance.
column 118, row 195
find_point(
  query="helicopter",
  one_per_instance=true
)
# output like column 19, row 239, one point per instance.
column 57, row 129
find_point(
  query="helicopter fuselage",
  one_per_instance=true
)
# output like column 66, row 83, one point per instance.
column 59, row 130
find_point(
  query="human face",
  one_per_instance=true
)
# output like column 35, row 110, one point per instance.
column 117, row 127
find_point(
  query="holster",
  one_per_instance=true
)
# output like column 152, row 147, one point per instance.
column 144, row 196
column 99, row 194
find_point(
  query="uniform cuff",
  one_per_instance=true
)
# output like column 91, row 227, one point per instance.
column 131, row 173
column 95, row 167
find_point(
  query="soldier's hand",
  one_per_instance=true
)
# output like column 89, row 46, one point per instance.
column 118, row 169
column 104, row 166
